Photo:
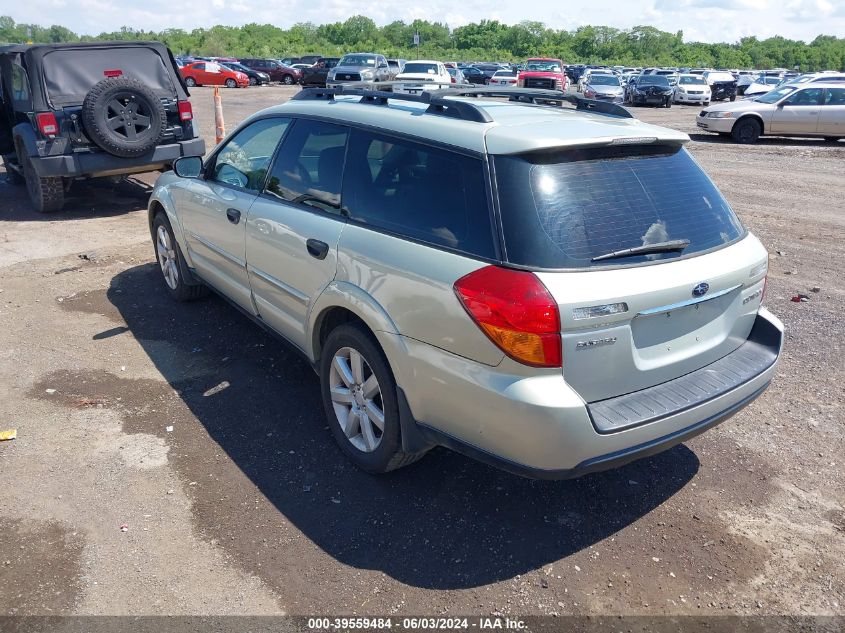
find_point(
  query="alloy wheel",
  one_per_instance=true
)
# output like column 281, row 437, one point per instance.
column 167, row 258
column 357, row 399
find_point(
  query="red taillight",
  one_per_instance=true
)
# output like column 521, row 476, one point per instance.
column 113, row 73
column 186, row 113
column 516, row 311
column 47, row 123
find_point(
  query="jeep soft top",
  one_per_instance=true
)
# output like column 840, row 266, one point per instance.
column 83, row 110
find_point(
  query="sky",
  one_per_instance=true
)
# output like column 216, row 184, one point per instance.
column 700, row 20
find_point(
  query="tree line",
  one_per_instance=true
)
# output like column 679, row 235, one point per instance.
column 484, row 40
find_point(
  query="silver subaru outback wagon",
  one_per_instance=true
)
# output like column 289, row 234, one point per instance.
column 553, row 290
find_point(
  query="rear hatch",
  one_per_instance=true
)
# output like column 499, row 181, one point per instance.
column 631, row 321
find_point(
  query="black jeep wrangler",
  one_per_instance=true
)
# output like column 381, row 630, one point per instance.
column 70, row 111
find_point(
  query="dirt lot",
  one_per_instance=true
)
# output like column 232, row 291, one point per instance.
column 246, row 506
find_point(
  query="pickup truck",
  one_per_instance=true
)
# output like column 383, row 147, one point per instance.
column 316, row 75
column 543, row 72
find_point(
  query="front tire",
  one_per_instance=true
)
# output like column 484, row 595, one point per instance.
column 231, row 83
column 360, row 399
column 174, row 269
column 746, row 131
column 253, row 81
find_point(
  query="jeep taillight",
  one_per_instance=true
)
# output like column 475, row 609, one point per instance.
column 47, row 124
column 516, row 311
column 186, row 113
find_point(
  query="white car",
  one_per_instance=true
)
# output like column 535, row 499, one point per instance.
column 692, row 89
column 503, row 78
column 420, row 75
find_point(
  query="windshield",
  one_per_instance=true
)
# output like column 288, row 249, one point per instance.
column 542, row 66
column 561, row 209
column 653, row 80
column 504, row 73
column 695, row 80
column 775, row 95
column 603, row 80
column 358, row 60
column 423, row 69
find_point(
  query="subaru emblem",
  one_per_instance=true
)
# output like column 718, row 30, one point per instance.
column 700, row 290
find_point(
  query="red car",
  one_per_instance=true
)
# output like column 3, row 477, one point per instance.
column 212, row 74
column 543, row 72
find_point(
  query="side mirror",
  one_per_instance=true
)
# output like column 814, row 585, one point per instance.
column 188, row 166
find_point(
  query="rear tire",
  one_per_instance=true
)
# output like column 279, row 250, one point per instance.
column 46, row 194
column 345, row 385
column 174, row 270
column 190, row 82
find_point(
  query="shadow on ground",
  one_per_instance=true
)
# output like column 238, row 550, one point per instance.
column 446, row 522
column 98, row 197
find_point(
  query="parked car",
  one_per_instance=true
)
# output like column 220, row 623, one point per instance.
column 474, row 76
column 826, row 77
column 395, row 66
column 604, row 88
column 692, row 89
column 357, row 67
column 612, row 277
column 421, row 75
column 651, row 90
column 256, row 77
column 457, row 75
column 317, row 74
column 488, row 69
column 543, row 72
column 722, row 85
column 212, row 74
column 761, row 85
column 503, row 78
column 78, row 111
column 670, row 73
column 809, row 109
column 277, row 71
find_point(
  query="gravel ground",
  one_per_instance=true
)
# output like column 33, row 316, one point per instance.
column 245, row 506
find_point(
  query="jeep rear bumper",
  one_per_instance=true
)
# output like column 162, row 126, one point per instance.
column 103, row 164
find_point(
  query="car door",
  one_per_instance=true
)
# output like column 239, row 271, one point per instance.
column 832, row 115
column 217, row 204
column 294, row 226
column 798, row 113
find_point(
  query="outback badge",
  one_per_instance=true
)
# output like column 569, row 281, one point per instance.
column 701, row 289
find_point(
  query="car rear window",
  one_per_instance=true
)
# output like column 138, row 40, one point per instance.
column 562, row 209
column 70, row 73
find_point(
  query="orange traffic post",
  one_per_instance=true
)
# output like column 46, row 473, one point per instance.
column 219, row 124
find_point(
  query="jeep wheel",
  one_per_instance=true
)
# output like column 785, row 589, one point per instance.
column 359, row 396
column 231, row 83
column 124, row 117
column 190, row 82
column 287, row 80
column 174, row 270
column 746, row 131
column 46, row 194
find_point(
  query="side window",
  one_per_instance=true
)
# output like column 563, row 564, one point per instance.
column 835, row 96
column 199, row 66
column 243, row 162
column 806, row 97
column 309, row 166
column 20, row 84
column 418, row 191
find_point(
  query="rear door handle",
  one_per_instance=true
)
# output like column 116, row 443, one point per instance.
column 317, row 249
column 233, row 215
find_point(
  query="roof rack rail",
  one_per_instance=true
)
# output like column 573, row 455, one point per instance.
column 372, row 93
column 439, row 102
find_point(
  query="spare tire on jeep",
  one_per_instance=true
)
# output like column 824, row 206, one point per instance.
column 123, row 116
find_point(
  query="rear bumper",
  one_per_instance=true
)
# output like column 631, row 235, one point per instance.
column 104, row 164
column 538, row 426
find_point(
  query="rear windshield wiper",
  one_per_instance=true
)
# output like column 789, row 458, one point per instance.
column 658, row 247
